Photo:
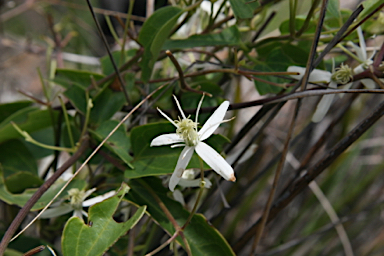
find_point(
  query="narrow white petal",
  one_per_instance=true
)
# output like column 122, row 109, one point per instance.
column 194, row 183
column 360, row 68
column 166, row 139
column 363, row 47
column 198, row 109
column 316, row 75
column 88, row 193
column 179, row 107
column 345, row 87
column 182, row 163
column 56, row 211
column 215, row 161
column 98, row 199
column 213, row 121
column 166, row 117
column 178, row 196
column 324, row 105
column 369, row 83
column 84, row 213
column 78, row 213
column 297, row 69
column 360, row 54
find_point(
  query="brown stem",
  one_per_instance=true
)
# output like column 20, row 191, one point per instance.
column 122, row 84
column 280, row 166
column 27, row 207
column 315, row 171
column 183, row 84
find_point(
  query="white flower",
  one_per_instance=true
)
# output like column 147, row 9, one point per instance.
column 188, row 180
column 192, row 140
column 318, row 76
column 76, row 203
column 364, row 60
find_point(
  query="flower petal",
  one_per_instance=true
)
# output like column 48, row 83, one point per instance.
column 98, row 199
column 363, row 47
column 215, row 161
column 56, row 211
column 358, row 69
column 166, row 117
column 88, row 193
column 166, row 139
column 79, row 214
column 324, row 105
column 316, row 75
column 368, row 83
column 182, row 163
column 194, row 183
column 213, row 121
column 361, row 55
column 179, row 107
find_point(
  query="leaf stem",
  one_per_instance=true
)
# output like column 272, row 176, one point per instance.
column 39, row 144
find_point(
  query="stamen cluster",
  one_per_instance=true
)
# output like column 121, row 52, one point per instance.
column 187, row 130
column 76, row 197
column 342, row 74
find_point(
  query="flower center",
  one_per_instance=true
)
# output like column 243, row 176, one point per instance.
column 342, row 74
column 76, row 198
column 187, row 130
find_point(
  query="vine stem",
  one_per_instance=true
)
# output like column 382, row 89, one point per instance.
column 24, row 211
column 276, row 178
column 179, row 230
column 42, row 189
column 122, row 84
column 312, row 172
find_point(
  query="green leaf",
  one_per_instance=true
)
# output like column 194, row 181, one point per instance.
column 15, row 157
column 25, row 243
column 69, row 77
column 21, row 199
column 119, row 143
column 277, row 58
column 299, row 22
column 8, row 109
column 18, row 182
column 333, row 9
column 105, row 105
column 242, row 10
column 160, row 160
column 106, row 64
column 370, row 6
column 45, row 136
column 76, row 95
column 153, row 34
column 80, row 239
column 227, row 37
column 202, row 237
column 29, row 119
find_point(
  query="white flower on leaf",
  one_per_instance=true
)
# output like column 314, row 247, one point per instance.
column 187, row 135
column 76, row 203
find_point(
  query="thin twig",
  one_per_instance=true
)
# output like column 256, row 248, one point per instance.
column 122, row 84
column 276, row 178
column 312, row 53
column 27, row 207
column 168, row 214
column 183, row 84
column 296, row 188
